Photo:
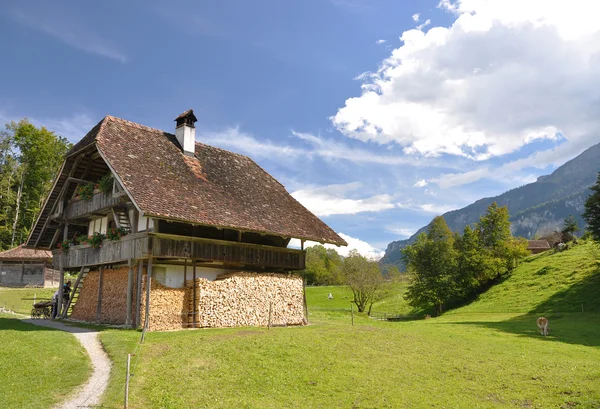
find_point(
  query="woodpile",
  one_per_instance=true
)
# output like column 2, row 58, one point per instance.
column 167, row 307
column 114, row 297
column 244, row 299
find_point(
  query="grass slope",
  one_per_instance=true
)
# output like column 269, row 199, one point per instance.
column 17, row 299
column 39, row 367
column 546, row 283
column 476, row 357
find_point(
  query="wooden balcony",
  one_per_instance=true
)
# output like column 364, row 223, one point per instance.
column 181, row 247
column 100, row 203
column 131, row 246
column 228, row 252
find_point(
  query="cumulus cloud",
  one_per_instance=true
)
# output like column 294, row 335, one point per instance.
column 333, row 199
column 381, row 41
column 415, row 17
column 504, row 74
column 359, row 245
column 420, row 183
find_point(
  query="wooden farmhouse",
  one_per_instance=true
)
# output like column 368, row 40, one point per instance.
column 537, row 246
column 167, row 233
column 25, row 267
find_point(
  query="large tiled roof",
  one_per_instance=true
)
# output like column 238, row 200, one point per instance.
column 23, row 253
column 216, row 187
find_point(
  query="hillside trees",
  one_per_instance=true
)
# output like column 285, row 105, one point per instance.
column 570, row 227
column 30, row 158
column 447, row 268
column 592, row 211
column 323, row 266
column 432, row 262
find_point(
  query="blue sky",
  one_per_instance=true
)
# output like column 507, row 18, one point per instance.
column 377, row 115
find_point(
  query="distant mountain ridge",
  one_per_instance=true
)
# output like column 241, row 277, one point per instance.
column 536, row 208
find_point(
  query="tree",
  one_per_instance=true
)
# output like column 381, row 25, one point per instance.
column 432, row 262
column 29, row 160
column 364, row 279
column 323, row 266
column 569, row 228
column 591, row 215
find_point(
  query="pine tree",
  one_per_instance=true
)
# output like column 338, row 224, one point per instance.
column 592, row 211
column 569, row 228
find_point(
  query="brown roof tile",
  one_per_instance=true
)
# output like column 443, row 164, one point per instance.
column 23, row 253
column 216, row 187
column 537, row 244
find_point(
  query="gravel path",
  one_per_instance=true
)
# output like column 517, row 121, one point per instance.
column 89, row 395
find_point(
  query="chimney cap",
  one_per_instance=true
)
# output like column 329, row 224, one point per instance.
column 186, row 118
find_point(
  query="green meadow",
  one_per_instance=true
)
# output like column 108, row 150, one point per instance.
column 488, row 354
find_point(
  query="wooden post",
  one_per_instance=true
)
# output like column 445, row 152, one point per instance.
column 23, row 271
column 99, row 305
column 304, row 296
column 129, row 293
column 301, row 244
column 148, row 284
column 270, row 312
column 194, row 289
column 127, row 381
column 138, row 295
column 61, row 278
column 352, row 312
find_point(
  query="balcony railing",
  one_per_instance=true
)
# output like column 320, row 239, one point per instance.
column 100, row 202
column 165, row 246
column 131, row 246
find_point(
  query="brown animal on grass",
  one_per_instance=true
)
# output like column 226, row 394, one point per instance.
column 542, row 324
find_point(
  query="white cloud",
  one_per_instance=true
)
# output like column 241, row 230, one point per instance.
column 401, row 231
column 332, row 199
column 420, row 183
column 69, row 31
column 426, row 207
column 425, row 24
column 380, row 41
column 359, row 245
column 504, row 74
column 415, row 17
column 234, row 138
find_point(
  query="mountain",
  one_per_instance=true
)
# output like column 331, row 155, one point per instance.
column 537, row 208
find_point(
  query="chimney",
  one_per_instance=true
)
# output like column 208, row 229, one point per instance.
column 185, row 131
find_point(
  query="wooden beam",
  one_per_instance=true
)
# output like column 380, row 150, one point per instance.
column 55, row 237
column 129, row 293
column 61, row 277
column 22, row 271
column 148, row 285
column 138, row 294
column 195, row 300
column 99, row 305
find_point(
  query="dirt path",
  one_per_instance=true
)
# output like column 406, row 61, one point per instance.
column 88, row 395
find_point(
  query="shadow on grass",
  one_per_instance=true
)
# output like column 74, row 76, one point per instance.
column 578, row 329
column 583, row 296
column 17, row 324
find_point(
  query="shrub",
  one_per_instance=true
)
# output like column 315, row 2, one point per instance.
column 96, row 240
column 116, row 233
column 105, row 184
column 85, row 192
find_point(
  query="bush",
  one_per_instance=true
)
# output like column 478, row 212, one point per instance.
column 105, row 184
column 85, row 192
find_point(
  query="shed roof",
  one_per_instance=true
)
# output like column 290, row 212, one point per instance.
column 23, row 253
column 537, row 244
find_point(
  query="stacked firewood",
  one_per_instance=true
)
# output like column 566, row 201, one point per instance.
column 113, row 294
column 246, row 299
column 167, row 307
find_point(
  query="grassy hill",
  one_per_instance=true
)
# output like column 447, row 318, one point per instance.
column 549, row 283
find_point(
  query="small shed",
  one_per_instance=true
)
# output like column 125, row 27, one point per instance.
column 26, row 267
column 537, row 246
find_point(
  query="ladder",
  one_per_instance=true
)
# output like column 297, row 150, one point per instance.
column 121, row 217
column 75, row 294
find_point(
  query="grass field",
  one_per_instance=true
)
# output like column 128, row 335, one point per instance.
column 38, row 366
column 17, row 299
column 475, row 357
